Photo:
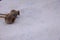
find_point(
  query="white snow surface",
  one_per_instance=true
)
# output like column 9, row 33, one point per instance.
column 39, row 20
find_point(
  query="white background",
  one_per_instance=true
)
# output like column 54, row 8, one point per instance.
column 39, row 20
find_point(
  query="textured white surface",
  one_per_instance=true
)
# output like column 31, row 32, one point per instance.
column 39, row 20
